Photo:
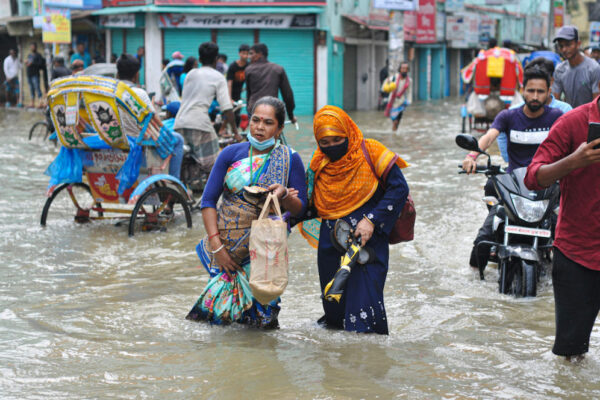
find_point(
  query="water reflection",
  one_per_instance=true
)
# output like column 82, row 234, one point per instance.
column 86, row 312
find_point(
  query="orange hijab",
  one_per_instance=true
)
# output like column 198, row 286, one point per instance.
column 343, row 186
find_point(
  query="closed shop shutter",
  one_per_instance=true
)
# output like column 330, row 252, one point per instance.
column 117, row 42
column 186, row 41
column 294, row 51
column 229, row 41
column 135, row 39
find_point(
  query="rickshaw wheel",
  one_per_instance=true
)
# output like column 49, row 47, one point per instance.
column 38, row 131
column 151, row 212
column 71, row 200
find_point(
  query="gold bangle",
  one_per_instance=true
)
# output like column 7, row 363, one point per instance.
column 371, row 222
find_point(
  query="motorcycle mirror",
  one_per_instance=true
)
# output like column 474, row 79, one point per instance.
column 468, row 142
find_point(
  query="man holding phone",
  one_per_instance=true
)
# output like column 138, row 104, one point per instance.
column 569, row 155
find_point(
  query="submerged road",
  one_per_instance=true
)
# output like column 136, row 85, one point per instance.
column 87, row 312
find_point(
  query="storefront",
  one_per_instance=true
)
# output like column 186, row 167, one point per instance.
column 290, row 39
column 126, row 35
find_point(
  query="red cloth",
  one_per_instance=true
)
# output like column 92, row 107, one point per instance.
column 578, row 229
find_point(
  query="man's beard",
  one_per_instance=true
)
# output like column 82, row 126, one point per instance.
column 534, row 105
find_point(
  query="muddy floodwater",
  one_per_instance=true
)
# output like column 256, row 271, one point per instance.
column 87, row 312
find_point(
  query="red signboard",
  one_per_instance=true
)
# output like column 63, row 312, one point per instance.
column 241, row 2
column 123, row 3
column 419, row 26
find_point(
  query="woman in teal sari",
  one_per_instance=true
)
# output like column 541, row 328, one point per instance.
column 264, row 162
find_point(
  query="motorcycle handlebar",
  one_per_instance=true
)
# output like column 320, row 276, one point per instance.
column 478, row 169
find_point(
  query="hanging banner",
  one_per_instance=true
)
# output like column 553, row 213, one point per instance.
column 595, row 33
column 251, row 21
column 399, row 5
column 559, row 13
column 486, row 29
column 56, row 26
column 462, row 30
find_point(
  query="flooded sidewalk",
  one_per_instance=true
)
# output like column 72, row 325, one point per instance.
column 87, row 312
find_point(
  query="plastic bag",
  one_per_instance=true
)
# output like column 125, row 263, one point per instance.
column 475, row 106
column 129, row 172
column 268, row 254
column 67, row 167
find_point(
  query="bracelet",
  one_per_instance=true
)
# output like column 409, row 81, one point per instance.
column 217, row 250
column 212, row 236
column 473, row 156
column 368, row 219
column 286, row 194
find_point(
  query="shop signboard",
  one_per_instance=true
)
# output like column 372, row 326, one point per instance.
column 420, row 25
column 251, row 21
column 534, row 29
column 74, row 4
column 462, row 30
column 426, row 19
column 440, row 25
column 400, row 5
column 559, row 13
column 240, row 2
column 118, row 21
column 56, row 26
column 123, row 3
column 486, row 28
column 455, row 5
column 595, row 33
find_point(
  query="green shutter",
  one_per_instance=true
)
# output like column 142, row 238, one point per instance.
column 186, row 41
column 117, row 42
column 294, row 51
column 135, row 39
column 229, row 41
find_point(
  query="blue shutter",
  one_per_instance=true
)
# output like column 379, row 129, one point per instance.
column 229, row 41
column 117, row 42
column 186, row 41
column 294, row 51
column 135, row 39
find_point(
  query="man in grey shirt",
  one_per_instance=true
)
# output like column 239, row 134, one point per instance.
column 200, row 87
column 578, row 77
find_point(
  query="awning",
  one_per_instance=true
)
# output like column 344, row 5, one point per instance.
column 151, row 8
column 365, row 23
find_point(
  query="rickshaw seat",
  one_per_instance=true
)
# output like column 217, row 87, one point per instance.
column 100, row 103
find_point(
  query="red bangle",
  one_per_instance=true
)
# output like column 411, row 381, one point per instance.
column 212, row 236
column 473, row 156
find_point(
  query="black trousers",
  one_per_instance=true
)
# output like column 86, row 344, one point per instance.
column 480, row 255
column 576, row 304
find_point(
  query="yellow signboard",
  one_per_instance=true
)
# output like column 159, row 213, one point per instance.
column 56, row 27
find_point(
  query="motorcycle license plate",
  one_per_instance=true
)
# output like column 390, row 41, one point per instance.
column 522, row 230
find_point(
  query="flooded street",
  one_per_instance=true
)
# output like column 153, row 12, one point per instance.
column 87, row 312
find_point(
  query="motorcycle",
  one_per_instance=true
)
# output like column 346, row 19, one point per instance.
column 523, row 225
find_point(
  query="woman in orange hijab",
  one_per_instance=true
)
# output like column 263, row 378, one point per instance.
column 368, row 193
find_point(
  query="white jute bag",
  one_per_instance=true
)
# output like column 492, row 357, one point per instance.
column 268, row 254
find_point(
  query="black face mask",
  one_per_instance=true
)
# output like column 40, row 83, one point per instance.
column 404, row 74
column 336, row 152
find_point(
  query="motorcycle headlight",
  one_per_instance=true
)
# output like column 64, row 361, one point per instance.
column 529, row 210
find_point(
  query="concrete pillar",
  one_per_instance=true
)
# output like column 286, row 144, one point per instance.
column 322, row 75
column 108, row 43
column 363, row 64
column 153, row 45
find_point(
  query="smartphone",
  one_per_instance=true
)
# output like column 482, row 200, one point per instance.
column 594, row 133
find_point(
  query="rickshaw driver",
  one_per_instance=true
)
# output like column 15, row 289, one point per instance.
column 128, row 71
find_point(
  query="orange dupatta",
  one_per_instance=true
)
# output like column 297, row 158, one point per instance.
column 343, row 186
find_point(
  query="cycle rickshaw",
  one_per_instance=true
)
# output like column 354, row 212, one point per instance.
column 496, row 74
column 102, row 173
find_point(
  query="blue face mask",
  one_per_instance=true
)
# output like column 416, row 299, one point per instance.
column 261, row 145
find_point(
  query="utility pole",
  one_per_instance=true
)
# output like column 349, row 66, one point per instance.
column 550, row 23
column 396, row 40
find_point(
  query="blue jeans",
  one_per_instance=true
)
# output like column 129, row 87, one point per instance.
column 175, row 164
column 34, row 85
